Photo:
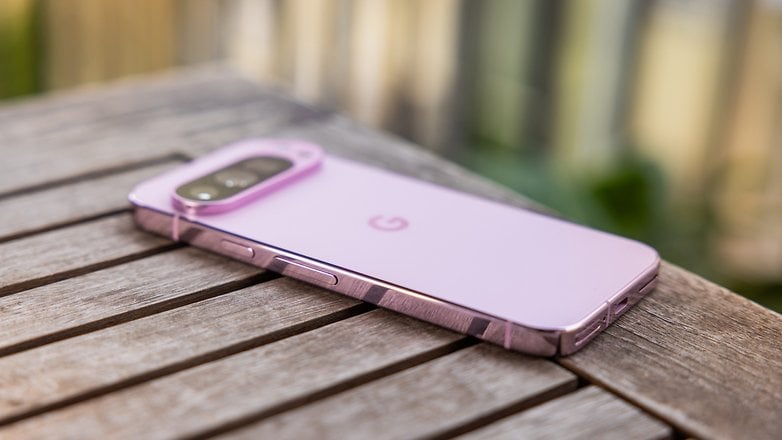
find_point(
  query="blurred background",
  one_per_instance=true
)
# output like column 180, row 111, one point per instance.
column 659, row 120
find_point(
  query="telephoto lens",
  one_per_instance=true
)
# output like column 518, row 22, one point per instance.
column 203, row 192
column 236, row 178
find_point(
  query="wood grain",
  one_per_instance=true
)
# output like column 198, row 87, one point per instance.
column 588, row 413
column 693, row 354
column 90, row 107
column 137, row 136
column 696, row 355
column 58, row 254
column 160, row 344
column 439, row 396
column 246, row 385
column 79, row 154
column 62, row 205
column 113, row 295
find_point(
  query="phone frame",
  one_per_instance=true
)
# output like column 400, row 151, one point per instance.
column 511, row 335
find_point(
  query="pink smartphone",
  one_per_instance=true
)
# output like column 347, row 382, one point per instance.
column 516, row 278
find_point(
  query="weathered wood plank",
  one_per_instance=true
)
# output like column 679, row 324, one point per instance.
column 696, row 355
column 54, row 255
column 438, row 397
column 588, row 413
column 129, row 353
column 114, row 295
column 136, row 136
column 38, row 163
column 249, row 384
column 62, row 205
column 60, row 111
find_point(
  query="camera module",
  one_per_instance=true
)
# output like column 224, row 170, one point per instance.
column 233, row 179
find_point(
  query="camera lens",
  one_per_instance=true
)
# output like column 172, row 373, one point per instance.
column 234, row 178
column 203, row 192
column 266, row 166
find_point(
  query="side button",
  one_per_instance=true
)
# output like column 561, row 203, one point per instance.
column 297, row 269
column 237, row 249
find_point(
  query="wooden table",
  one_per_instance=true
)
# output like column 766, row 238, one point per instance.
column 107, row 331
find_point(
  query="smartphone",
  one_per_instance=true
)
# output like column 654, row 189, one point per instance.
column 513, row 277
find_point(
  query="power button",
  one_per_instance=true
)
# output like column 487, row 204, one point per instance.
column 237, row 249
column 300, row 270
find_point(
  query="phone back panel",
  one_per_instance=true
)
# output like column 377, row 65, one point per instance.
column 517, row 265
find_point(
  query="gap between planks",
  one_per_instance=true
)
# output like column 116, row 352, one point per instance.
column 462, row 390
column 81, row 201
column 76, row 250
column 181, row 131
column 327, row 360
column 118, row 294
column 208, row 357
column 94, row 174
column 337, row 388
column 134, row 314
column 590, row 411
column 586, row 381
column 323, row 312
column 677, row 354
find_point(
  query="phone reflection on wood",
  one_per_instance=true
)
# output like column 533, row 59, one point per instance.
column 516, row 278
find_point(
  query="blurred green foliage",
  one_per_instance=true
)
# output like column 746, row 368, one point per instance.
column 20, row 53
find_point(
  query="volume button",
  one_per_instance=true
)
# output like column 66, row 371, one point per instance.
column 300, row 270
column 237, row 249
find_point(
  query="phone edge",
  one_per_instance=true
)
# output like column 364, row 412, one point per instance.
column 492, row 329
